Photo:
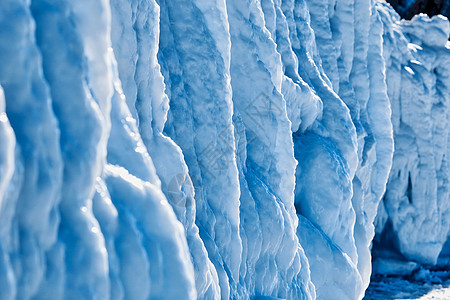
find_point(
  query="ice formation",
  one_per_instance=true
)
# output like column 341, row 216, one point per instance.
column 416, row 204
column 194, row 149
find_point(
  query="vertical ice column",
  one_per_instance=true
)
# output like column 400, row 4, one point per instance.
column 341, row 30
column 417, row 54
column 377, row 162
column 195, row 58
column 8, row 288
column 320, row 14
column 65, row 43
column 7, row 164
column 303, row 106
column 273, row 262
column 327, row 152
column 355, row 28
column 137, row 23
column 147, row 249
column 71, row 113
column 29, row 111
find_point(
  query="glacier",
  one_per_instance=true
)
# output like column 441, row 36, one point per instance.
column 225, row 149
column 416, row 201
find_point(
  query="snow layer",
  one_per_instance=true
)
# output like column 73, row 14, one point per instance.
column 192, row 149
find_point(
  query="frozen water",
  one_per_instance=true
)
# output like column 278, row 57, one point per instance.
column 417, row 56
column 194, row 149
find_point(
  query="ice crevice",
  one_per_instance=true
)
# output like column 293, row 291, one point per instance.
column 225, row 149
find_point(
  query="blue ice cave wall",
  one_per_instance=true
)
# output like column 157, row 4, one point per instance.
column 193, row 149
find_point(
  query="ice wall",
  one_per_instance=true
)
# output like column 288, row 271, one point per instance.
column 83, row 214
column 345, row 158
column 193, row 149
column 416, row 204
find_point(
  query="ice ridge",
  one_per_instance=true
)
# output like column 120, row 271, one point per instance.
column 225, row 149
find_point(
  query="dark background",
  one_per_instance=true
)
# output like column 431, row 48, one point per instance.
column 430, row 7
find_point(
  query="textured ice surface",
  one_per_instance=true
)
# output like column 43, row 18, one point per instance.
column 194, row 149
column 345, row 159
column 417, row 56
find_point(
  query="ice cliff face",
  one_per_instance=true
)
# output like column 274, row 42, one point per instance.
column 191, row 149
column 416, row 204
